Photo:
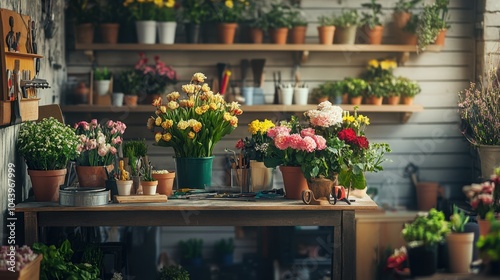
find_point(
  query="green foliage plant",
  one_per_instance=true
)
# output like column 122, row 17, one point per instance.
column 146, row 170
column 134, row 150
column 372, row 18
column 458, row 220
column 355, row 86
column 174, row 272
column 405, row 6
column 191, row 248
column 83, row 11
column 279, row 16
column 426, row 229
column 347, row 18
column 194, row 11
column 130, row 82
column 407, row 87
column 101, row 74
column 297, row 18
column 432, row 20
column 489, row 245
column 326, row 20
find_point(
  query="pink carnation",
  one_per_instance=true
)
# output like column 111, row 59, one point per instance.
column 295, row 141
column 278, row 130
column 281, row 142
column 308, row 144
column 320, row 142
column 307, row 132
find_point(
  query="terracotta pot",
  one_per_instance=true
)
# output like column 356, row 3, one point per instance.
column 81, row 94
column 356, row 100
column 484, row 226
column 149, row 187
column 460, row 246
column 257, row 35
column 376, row 100
column 109, row 32
column 278, row 35
column 345, row 98
column 294, row 181
column 326, row 34
column 373, row 36
column 401, row 19
column 84, row 33
column 408, row 100
column 440, row 38
column 226, row 32
column 321, row 188
column 322, row 99
column 298, row 35
column 427, row 194
column 408, row 38
column 92, row 176
column 393, row 100
column 46, row 183
column 165, row 182
column 130, row 100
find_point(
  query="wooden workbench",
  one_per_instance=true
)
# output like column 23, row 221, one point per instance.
column 210, row 212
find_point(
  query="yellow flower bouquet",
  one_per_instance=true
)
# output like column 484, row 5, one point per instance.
column 192, row 125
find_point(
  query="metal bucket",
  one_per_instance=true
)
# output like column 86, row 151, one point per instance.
column 72, row 196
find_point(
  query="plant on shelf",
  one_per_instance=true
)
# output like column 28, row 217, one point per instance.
column 146, row 170
column 134, row 150
column 101, row 74
column 194, row 11
column 227, row 11
column 432, row 20
column 155, row 78
column 129, row 82
column 489, row 245
column 379, row 68
column 278, row 17
column 191, row 251
column 83, row 11
column 372, row 18
column 347, row 18
column 174, row 272
column 254, row 148
column 458, row 220
column 355, row 87
column 379, row 88
column 166, row 12
column 326, row 20
column 407, row 88
column 405, row 6
column 481, row 197
column 111, row 11
column 141, row 10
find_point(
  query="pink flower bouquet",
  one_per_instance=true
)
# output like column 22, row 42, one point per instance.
column 481, row 197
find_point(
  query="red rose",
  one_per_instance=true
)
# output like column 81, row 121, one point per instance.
column 348, row 135
column 362, row 142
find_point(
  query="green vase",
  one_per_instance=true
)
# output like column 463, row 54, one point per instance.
column 194, row 173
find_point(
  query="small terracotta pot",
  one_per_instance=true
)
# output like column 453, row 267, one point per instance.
column 46, row 183
column 376, row 100
column 149, row 187
column 226, row 32
column 484, row 226
column 278, row 35
column 441, row 38
column 356, row 100
column 326, row 34
column 401, row 19
column 345, row 98
column 373, row 35
column 84, row 33
column 93, row 176
column 109, row 32
column 298, row 35
column 165, row 182
column 408, row 38
column 393, row 100
column 257, row 35
column 294, row 181
column 130, row 100
column 408, row 100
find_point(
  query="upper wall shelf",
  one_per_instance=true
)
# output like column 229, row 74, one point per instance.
column 404, row 111
column 404, row 50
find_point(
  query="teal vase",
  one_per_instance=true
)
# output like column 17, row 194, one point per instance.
column 194, row 173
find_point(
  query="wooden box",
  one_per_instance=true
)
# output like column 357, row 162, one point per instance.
column 28, row 109
column 29, row 272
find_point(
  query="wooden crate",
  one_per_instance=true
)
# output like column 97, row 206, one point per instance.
column 28, row 108
column 29, row 272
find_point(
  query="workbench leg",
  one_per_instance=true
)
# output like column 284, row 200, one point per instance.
column 337, row 254
column 30, row 228
column 348, row 229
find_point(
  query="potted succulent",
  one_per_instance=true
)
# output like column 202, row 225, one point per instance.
column 460, row 243
column 372, row 27
column 326, row 29
column 402, row 12
column 345, row 27
column 408, row 89
column 47, row 160
column 299, row 26
column 148, row 182
column 355, row 88
column 133, row 151
column 102, row 81
column 280, row 21
column 422, row 236
column 432, row 24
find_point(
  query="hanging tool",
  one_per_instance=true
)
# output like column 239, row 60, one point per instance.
column 15, row 117
column 257, row 70
column 277, row 84
column 244, row 64
column 10, row 38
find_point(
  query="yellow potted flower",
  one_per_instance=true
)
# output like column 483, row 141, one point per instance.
column 167, row 23
column 192, row 125
column 144, row 14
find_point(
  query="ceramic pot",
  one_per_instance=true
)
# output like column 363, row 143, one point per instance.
column 460, row 246
column 92, row 176
column 84, row 33
column 102, row 87
column 165, row 182
column 46, row 183
column 166, row 32
column 294, row 182
column 298, row 35
column 192, row 33
column 109, row 32
column 372, row 36
column 186, row 167
column 356, row 100
column 440, row 38
column 146, row 31
column 278, row 35
column 118, row 99
column 408, row 100
column 286, row 96
column 301, row 95
column 226, row 32
column 377, row 100
column 124, row 187
column 149, row 187
column 326, row 34
column 393, row 100
column 484, row 226
column 261, row 176
column 345, row 35
column 248, row 95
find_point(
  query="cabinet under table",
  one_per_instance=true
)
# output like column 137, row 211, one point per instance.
column 210, row 212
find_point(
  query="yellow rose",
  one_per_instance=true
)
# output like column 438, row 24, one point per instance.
column 167, row 124
column 199, row 111
column 213, row 106
column 173, row 96
column 227, row 116
column 234, row 121
column 167, row 137
column 157, row 137
column 188, row 89
column 205, row 88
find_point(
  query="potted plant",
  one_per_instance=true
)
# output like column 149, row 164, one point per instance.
column 355, row 88
column 148, row 182
column 123, row 182
column 408, row 89
column 98, row 147
column 372, row 27
column 377, row 90
column 299, row 26
column 174, row 272
column 165, row 180
column 432, row 24
column 409, row 32
column 166, row 22
column 102, row 81
column 279, row 22
column 253, row 150
column 460, row 243
column 47, row 160
column 83, row 12
column 223, row 250
column 130, row 83
column 481, row 199
column 143, row 14
column 402, row 12
column 133, row 152
column 489, row 246
column 194, row 12
column 337, row 91
column 320, row 94
column 258, row 25
column 422, row 236
column 191, row 251
column 326, row 29
column 227, row 15
column 198, row 128
column 110, row 14
column 345, row 27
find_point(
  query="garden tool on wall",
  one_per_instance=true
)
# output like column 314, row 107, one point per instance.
column 258, row 78
column 277, row 84
column 15, row 117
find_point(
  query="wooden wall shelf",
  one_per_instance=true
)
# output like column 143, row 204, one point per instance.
column 405, row 111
